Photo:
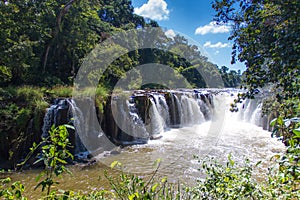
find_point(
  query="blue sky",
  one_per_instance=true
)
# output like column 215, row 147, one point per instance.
column 193, row 18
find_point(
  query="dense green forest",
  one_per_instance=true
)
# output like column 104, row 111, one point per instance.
column 43, row 44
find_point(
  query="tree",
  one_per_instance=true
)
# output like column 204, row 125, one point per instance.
column 17, row 40
column 266, row 38
column 119, row 13
column 230, row 78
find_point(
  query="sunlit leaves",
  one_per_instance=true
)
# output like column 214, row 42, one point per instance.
column 266, row 38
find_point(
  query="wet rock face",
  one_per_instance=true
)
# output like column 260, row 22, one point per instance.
column 129, row 118
column 18, row 137
column 143, row 115
column 58, row 114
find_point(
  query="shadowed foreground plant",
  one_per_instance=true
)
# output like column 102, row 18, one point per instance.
column 231, row 181
column 11, row 191
column 227, row 181
column 54, row 154
column 134, row 187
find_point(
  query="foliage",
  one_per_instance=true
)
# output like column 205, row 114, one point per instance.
column 222, row 181
column 12, row 191
column 289, row 163
column 287, row 130
column 227, row 182
column 133, row 187
column 54, row 155
column 61, row 91
column 284, row 182
column 29, row 94
column 21, row 112
column 266, row 39
column 21, row 117
column 45, row 42
column 231, row 181
column 230, row 78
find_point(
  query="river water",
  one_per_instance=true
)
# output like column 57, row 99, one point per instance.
column 227, row 133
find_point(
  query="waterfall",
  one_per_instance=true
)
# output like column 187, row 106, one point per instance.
column 191, row 112
column 256, row 117
column 48, row 120
column 175, row 111
column 143, row 115
column 157, row 123
column 52, row 116
column 161, row 108
column 205, row 106
column 126, row 116
column 77, row 117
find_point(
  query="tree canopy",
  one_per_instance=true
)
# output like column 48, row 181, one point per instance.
column 44, row 42
column 266, row 38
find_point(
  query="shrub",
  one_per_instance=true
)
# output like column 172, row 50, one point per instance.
column 227, row 182
column 61, row 91
column 231, row 181
column 134, row 187
column 54, row 154
column 10, row 190
column 28, row 94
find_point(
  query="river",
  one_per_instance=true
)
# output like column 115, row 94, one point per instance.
column 226, row 133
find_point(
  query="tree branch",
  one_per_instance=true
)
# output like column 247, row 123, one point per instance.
column 57, row 29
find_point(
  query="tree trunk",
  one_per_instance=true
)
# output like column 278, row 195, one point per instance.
column 57, row 29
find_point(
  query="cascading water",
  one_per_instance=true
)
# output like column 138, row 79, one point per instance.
column 48, row 121
column 163, row 109
column 136, row 123
column 191, row 111
column 205, row 106
column 125, row 114
column 156, row 124
column 256, row 117
column 175, row 111
column 226, row 133
column 221, row 134
column 78, row 120
column 54, row 115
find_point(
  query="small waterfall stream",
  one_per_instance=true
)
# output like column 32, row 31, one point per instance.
column 157, row 123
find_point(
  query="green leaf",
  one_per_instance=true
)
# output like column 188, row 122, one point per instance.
column 258, row 163
column 61, row 161
column 157, row 162
column 18, row 194
column 273, row 122
column 231, row 162
column 39, row 176
column 297, row 132
column 280, row 121
column 153, row 188
column 163, row 180
column 115, row 163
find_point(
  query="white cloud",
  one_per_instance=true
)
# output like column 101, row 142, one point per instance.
column 212, row 27
column 208, row 44
column 170, row 33
column 154, row 9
